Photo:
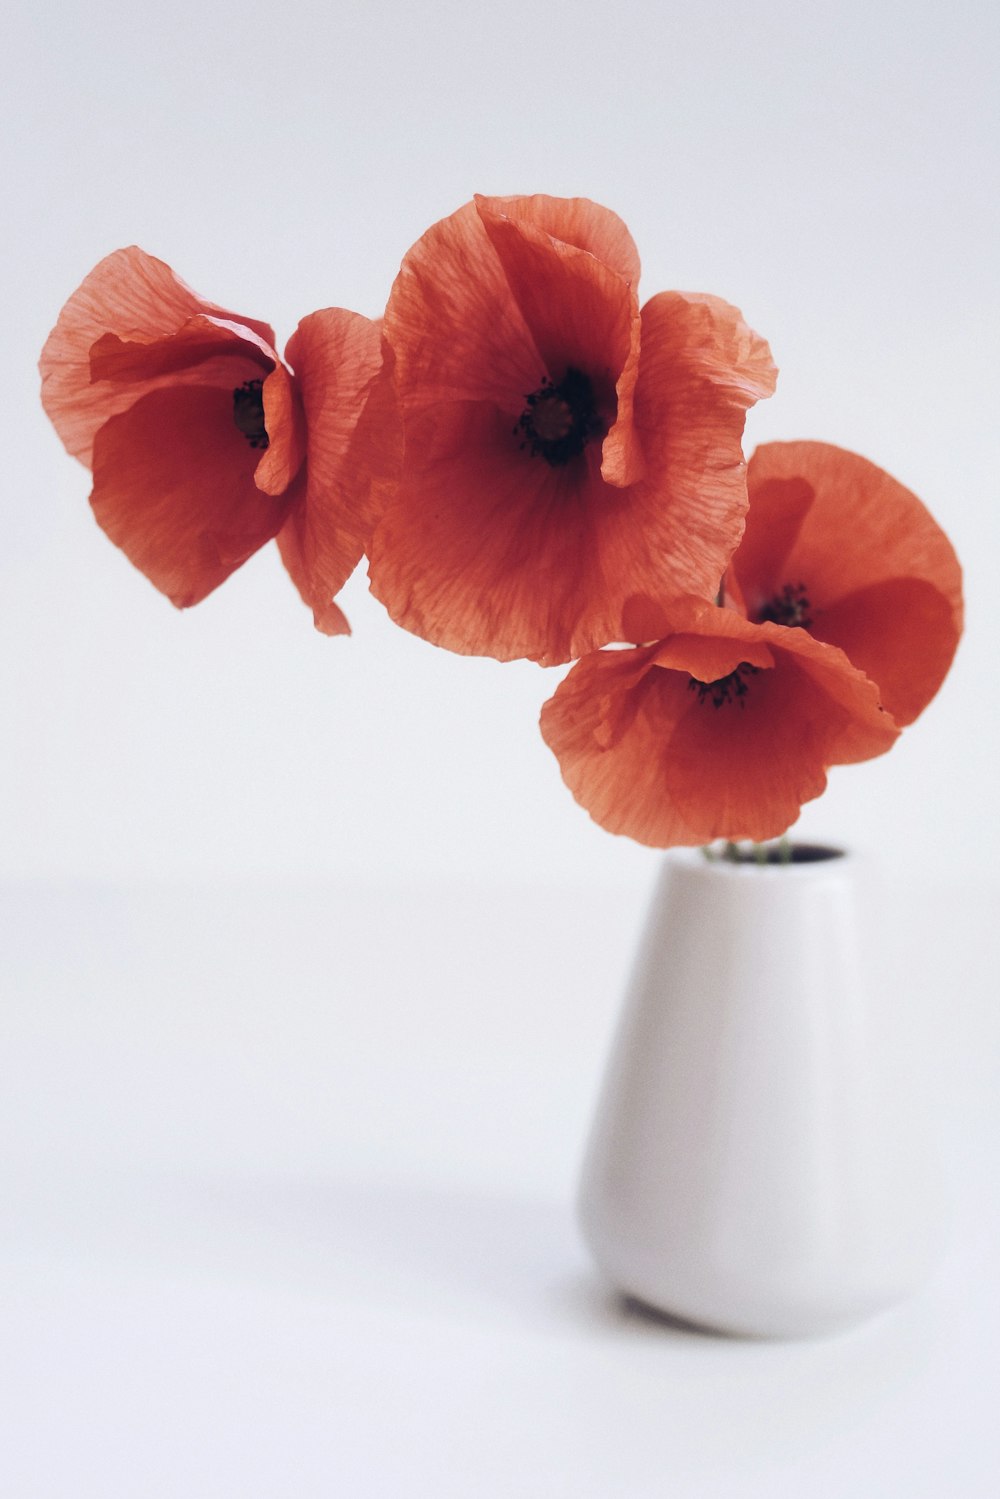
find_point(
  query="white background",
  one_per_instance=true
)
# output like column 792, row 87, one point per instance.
column 308, row 959
column 831, row 169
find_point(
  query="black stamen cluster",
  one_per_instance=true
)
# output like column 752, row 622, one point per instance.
column 248, row 412
column 570, row 405
column 730, row 688
column 789, row 607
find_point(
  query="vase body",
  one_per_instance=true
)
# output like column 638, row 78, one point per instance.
column 754, row 1166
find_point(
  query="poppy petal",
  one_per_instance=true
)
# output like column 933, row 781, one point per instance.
column 644, row 619
column 707, row 658
column 610, row 727
column 284, row 423
column 353, row 455
column 574, row 221
column 881, row 577
column 581, row 315
column 454, row 326
column 208, row 343
column 744, row 771
column 650, row 753
column 699, row 369
column 135, row 297
column 901, row 633
column 753, row 765
column 174, row 488
column 858, row 727
column 778, row 508
column 475, row 552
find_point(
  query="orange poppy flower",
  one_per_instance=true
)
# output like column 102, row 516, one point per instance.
column 562, row 450
column 837, row 546
column 204, row 445
column 722, row 729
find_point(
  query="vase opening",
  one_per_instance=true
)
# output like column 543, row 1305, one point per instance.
column 799, row 853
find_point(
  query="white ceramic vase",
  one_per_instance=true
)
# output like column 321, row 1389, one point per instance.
column 752, row 1167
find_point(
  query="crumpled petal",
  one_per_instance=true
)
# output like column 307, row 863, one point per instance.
column 475, row 546
column 174, row 488
column 882, row 579
column 699, row 369
column 455, row 329
column 132, row 298
column 205, row 345
column 581, row 312
column 577, row 222
column 344, row 374
column 650, row 755
column 285, row 423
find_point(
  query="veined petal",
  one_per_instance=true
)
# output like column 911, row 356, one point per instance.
column 744, row 771
column 131, row 296
column 861, row 728
column 610, row 728
column 779, row 508
column 581, row 314
column 655, row 746
column 573, row 221
column 202, row 342
column 700, row 367
column 709, row 657
column 454, row 326
column 174, row 488
column 881, row 578
column 902, row 633
column 284, row 422
column 343, row 372
column 484, row 550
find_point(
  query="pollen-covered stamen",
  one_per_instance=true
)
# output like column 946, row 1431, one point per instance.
column 789, row 607
column 559, row 420
column 248, row 412
column 732, row 688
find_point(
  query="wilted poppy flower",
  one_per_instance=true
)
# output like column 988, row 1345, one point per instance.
column 562, row 450
column 204, row 445
column 837, row 546
column 722, row 729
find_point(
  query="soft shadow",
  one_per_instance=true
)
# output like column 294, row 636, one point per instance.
column 590, row 1302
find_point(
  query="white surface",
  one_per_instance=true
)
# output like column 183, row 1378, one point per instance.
column 284, row 1180
column 285, row 1185
column 833, row 169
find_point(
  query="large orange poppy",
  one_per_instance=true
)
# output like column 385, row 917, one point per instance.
column 837, row 546
column 721, row 729
column 204, row 445
column 563, row 451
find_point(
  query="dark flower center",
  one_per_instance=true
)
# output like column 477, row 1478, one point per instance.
column 248, row 412
column 732, row 688
column 789, row 607
column 559, row 420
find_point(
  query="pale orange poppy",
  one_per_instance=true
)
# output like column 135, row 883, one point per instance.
column 721, row 729
column 563, row 450
column 837, row 546
column 204, row 445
